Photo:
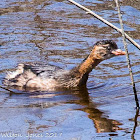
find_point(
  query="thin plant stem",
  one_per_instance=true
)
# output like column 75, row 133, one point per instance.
column 106, row 22
column 127, row 55
column 124, row 40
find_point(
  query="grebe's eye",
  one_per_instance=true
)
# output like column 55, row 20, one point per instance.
column 108, row 47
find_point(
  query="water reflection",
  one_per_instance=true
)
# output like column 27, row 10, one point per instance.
column 135, row 124
column 38, row 104
column 101, row 122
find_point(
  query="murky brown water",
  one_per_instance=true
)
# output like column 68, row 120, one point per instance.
column 61, row 34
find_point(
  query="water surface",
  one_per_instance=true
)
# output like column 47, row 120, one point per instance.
column 59, row 33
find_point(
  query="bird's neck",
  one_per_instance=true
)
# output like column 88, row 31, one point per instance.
column 86, row 67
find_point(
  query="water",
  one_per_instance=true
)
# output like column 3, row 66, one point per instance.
column 61, row 34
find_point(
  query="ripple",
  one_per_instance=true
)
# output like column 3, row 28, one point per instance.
column 59, row 33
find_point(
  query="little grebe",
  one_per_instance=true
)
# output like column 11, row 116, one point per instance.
column 48, row 77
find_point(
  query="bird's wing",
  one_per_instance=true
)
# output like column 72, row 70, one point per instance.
column 44, row 70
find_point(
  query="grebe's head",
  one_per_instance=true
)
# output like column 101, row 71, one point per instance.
column 106, row 49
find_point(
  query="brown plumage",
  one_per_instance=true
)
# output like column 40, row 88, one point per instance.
column 48, row 77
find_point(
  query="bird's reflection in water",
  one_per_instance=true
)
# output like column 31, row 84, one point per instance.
column 101, row 123
column 80, row 97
